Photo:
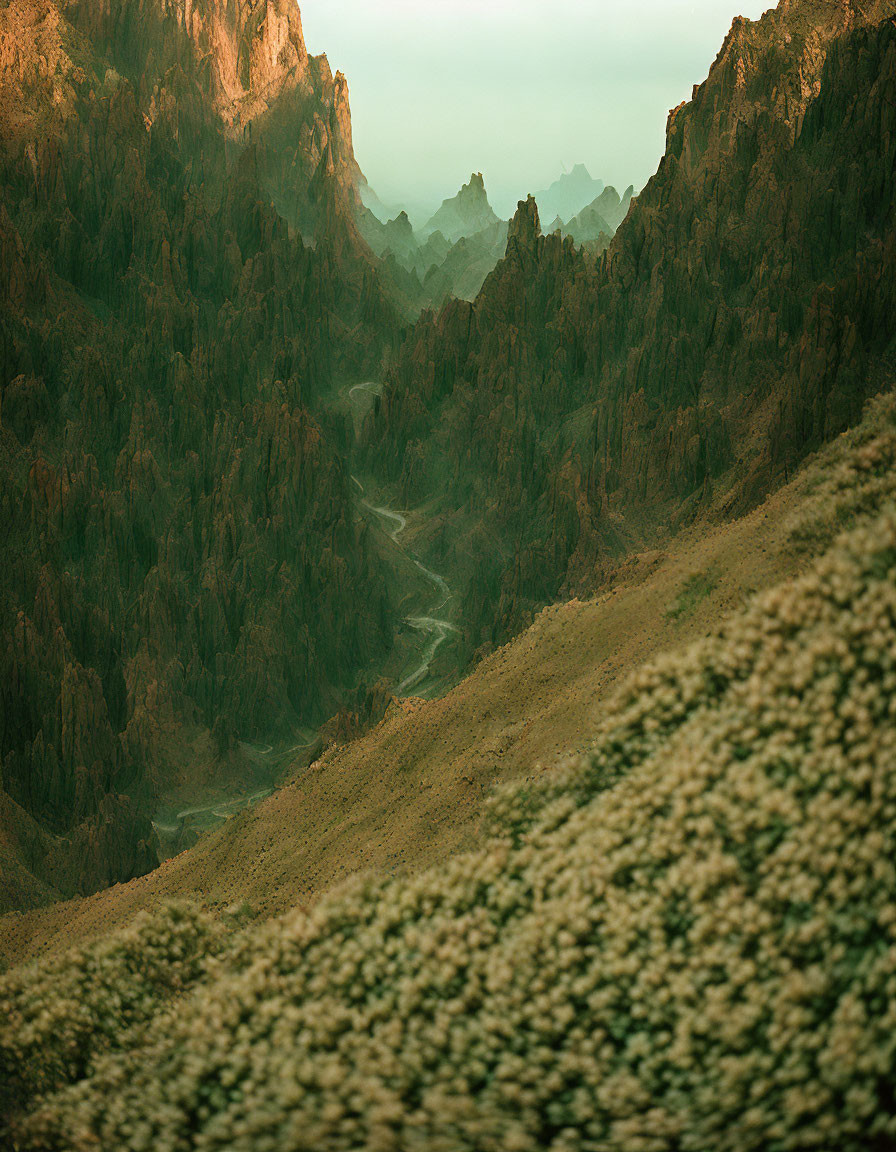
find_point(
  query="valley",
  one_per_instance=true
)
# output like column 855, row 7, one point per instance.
column 414, row 791
column 447, row 662
column 183, row 816
column 434, row 631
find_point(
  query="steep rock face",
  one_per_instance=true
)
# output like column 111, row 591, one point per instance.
column 779, row 175
column 245, row 54
column 247, row 63
column 524, row 229
column 732, row 325
column 184, row 565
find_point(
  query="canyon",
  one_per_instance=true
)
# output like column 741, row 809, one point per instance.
column 193, row 571
column 416, row 645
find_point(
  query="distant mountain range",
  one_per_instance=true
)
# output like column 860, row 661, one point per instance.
column 599, row 218
column 568, row 195
column 465, row 214
column 453, row 253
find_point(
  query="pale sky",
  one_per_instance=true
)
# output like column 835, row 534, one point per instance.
column 516, row 89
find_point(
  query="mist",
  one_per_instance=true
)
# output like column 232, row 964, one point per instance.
column 519, row 91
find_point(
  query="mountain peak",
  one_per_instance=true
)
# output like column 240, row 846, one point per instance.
column 569, row 194
column 464, row 214
column 255, row 49
column 473, row 192
column 525, row 227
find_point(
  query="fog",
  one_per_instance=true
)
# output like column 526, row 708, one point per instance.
column 517, row 90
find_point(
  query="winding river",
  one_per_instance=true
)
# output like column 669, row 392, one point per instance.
column 435, row 630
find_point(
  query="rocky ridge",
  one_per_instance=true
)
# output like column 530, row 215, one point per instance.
column 465, row 214
column 427, row 268
column 181, row 539
column 585, row 403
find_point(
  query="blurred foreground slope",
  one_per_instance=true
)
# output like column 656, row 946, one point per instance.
column 685, row 938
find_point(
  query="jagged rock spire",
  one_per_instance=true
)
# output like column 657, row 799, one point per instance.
column 525, row 227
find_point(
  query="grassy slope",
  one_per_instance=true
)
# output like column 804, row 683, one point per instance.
column 411, row 792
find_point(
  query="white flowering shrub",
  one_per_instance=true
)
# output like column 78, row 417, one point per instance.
column 852, row 476
column 57, row 1017
column 686, row 943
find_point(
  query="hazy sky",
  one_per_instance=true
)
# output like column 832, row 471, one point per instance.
column 516, row 89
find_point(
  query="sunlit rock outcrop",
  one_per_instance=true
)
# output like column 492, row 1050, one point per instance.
column 181, row 537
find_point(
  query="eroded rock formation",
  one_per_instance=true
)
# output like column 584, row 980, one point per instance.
column 733, row 324
column 182, row 563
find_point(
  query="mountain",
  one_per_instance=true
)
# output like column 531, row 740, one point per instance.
column 629, row 884
column 464, row 214
column 584, row 405
column 453, row 254
column 611, row 206
column 396, row 236
column 709, row 787
column 569, row 194
column 596, row 224
column 602, row 217
column 463, row 270
column 429, row 267
column 185, row 570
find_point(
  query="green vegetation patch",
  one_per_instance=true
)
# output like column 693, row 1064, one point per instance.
column 695, row 589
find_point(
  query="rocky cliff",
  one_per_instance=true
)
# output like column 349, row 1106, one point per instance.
column 734, row 323
column 183, row 566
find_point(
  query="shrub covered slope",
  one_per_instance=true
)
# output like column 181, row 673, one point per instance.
column 686, row 941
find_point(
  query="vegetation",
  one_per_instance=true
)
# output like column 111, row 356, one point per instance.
column 184, row 567
column 849, row 478
column 694, row 589
column 683, row 941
